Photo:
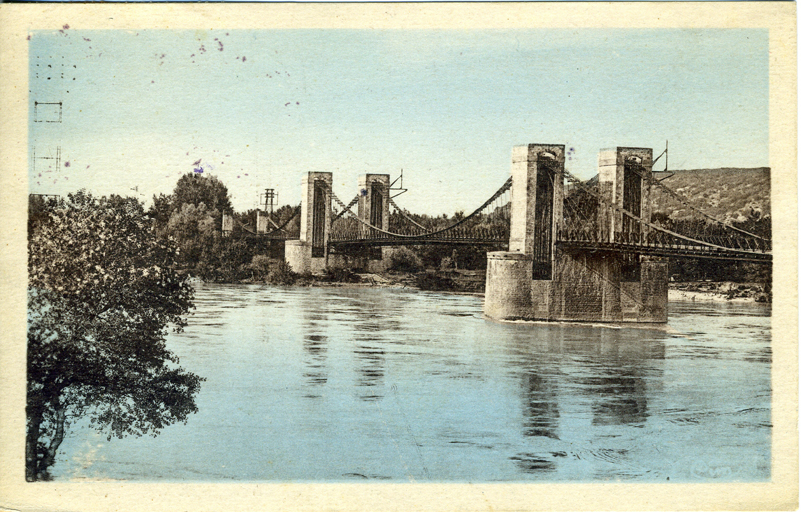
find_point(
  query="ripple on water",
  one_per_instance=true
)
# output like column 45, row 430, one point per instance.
column 376, row 384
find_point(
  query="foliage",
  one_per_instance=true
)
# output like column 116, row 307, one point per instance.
column 192, row 217
column 684, row 270
column 193, row 228
column 191, row 189
column 404, row 260
column 197, row 189
column 225, row 259
column 161, row 210
column 493, row 222
column 39, row 210
column 101, row 295
column 281, row 274
column 260, row 266
column 341, row 275
column 725, row 193
column 433, row 281
column 454, row 256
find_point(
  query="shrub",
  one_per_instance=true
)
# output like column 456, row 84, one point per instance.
column 281, row 273
column 260, row 266
column 433, row 282
column 447, row 263
column 341, row 275
column 404, row 260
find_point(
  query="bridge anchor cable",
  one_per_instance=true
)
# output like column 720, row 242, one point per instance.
column 581, row 184
column 675, row 195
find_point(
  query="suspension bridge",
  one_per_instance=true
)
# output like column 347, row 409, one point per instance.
column 557, row 229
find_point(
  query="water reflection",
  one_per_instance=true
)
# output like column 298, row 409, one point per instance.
column 621, row 397
column 370, row 369
column 370, row 358
column 370, row 347
column 315, row 349
column 541, row 406
column 610, row 374
column 623, row 367
column 533, row 463
column 362, row 383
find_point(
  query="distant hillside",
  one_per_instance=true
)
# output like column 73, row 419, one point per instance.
column 727, row 193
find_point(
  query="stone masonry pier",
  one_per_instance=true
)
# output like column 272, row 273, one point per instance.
column 537, row 280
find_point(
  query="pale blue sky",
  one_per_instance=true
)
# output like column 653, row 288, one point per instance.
column 259, row 108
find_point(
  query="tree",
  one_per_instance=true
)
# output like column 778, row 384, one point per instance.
column 196, row 189
column 191, row 215
column 160, row 210
column 38, row 208
column 101, row 298
column 193, row 228
column 191, row 189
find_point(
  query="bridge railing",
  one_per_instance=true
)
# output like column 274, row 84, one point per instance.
column 586, row 211
column 665, row 240
column 354, row 233
column 484, row 225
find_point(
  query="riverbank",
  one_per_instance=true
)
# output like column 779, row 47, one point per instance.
column 454, row 281
column 718, row 292
column 473, row 281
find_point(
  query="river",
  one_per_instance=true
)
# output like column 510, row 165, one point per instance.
column 396, row 385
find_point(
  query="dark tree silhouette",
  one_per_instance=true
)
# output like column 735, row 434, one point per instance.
column 101, row 296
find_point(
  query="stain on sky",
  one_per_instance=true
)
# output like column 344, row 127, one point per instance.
column 90, row 49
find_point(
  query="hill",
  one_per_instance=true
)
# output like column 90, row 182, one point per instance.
column 730, row 194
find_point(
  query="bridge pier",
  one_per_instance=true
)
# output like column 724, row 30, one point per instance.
column 310, row 252
column 538, row 280
column 508, row 291
column 518, row 284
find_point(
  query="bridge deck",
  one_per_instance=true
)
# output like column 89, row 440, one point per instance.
column 667, row 250
column 645, row 248
column 377, row 242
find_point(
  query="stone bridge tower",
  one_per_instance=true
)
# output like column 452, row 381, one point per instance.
column 373, row 208
column 310, row 252
column 620, row 172
column 539, row 280
column 536, row 197
column 374, row 201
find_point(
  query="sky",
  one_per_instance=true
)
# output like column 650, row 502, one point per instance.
column 259, row 108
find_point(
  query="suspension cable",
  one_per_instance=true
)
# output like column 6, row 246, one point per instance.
column 282, row 226
column 577, row 181
column 497, row 194
column 243, row 226
column 571, row 207
column 271, row 221
column 350, row 205
column 403, row 214
column 685, row 202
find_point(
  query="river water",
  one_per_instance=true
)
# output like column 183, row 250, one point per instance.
column 394, row 385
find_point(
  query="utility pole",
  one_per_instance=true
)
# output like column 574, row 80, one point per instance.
column 269, row 200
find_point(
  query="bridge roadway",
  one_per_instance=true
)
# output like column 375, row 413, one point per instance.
column 667, row 250
column 648, row 248
column 673, row 250
column 383, row 242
